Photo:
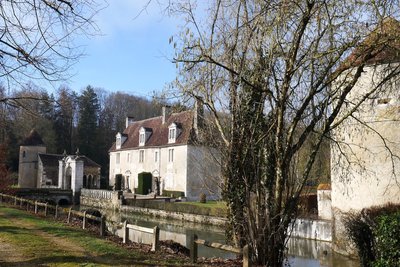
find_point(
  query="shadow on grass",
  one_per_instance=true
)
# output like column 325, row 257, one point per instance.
column 78, row 261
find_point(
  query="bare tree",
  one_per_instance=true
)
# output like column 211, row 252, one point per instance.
column 37, row 37
column 282, row 72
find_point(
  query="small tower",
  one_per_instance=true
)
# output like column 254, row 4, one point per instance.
column 28, row 160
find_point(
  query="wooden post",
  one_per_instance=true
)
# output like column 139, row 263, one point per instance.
column 15, row 201
column 156, row 239
column 246, row 256
column 84, row 220
column 125, row 233
column 27, row 205
column 69, row 215
column 45, row 210
column 35, row 207
column 56, row 212
column 20, row 202
column 193, row 249
column 103, row 226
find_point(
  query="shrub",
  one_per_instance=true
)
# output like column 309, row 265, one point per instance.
column 376, row 234
column 203, row 198
column 387, row 235
column 144, row 183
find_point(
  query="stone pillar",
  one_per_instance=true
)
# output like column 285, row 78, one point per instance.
column 61, row 174
column 76, row 178
column 324, row 202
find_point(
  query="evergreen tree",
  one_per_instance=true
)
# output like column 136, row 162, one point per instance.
column 88, row 123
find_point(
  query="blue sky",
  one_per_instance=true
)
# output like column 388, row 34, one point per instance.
column 131, row 54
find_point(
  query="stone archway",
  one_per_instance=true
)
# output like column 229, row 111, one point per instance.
column 90, row 181
column 85, row 184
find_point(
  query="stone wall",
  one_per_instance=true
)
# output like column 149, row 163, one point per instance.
column 102, row 199
column 312, row 229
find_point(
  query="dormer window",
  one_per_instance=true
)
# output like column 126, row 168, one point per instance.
column 144, row 134
column 120, row 139
column 173, row 132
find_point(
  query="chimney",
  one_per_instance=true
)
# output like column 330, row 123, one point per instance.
column 165, row 113
column 129, row 121
column 198, row 117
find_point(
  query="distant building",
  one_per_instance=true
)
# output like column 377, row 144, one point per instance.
column 166, row 147
column 40, row 170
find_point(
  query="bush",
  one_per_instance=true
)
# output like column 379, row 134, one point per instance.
column 376, row 234
column 203, row 198
column 387, row 235
column 144, row 183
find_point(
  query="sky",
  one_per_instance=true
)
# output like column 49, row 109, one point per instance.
column 132, row 54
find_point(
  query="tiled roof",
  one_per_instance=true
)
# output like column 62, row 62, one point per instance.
column 49, row 160
column 33, row 139
column 159, row 135
column 383, row 43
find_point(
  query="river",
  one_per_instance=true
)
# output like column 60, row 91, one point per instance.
column 302, row 252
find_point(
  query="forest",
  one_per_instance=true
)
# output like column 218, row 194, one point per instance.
column 68, row 120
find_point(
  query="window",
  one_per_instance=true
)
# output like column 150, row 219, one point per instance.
column 171, row 155
column 128, row 158
column 117, row 158
column 23, row 154
column 141, row 156
column 141, row 139
column 118, row 143
column 156, row 156
column 173, row 133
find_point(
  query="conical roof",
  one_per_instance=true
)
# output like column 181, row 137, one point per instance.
column 33, row 139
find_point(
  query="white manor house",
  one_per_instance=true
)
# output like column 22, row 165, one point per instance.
column 166, row 146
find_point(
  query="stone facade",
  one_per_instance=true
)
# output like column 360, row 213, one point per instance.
column 365, row 164
column 166, row 147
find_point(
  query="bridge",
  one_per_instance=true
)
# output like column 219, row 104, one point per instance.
column 54, row 196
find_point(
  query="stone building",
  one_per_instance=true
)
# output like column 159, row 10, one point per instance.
column 365, row 157
column 166, row 147
column 37, row 169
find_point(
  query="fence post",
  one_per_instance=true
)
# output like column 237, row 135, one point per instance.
column 27, row 205
column 35, row 207
column 156, row 239
column 103, row 226
column 246, row 256
column 15, row 201
column 193, row 248
column 125, row 232
column 20, row 202
column 45, row 210
column 56, row 213
column 69, row 215
column 84, row 221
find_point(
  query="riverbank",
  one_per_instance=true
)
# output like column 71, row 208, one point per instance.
column 28, row 240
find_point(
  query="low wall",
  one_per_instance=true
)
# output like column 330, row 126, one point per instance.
column 312, row 229
column 102, row 199
column 177, row 215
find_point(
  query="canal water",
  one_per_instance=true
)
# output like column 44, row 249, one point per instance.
column 302, row 252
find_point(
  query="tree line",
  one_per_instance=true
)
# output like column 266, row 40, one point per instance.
column 67, row 120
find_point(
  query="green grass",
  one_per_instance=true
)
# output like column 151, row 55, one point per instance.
column 213, row 208
column 39, row 240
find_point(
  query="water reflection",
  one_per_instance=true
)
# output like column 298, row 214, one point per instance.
column 303, row 252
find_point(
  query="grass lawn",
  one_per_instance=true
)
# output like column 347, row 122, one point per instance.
column 215, row 208
column 27, row 240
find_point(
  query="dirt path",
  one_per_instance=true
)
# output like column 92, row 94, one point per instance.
column 10, row 253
